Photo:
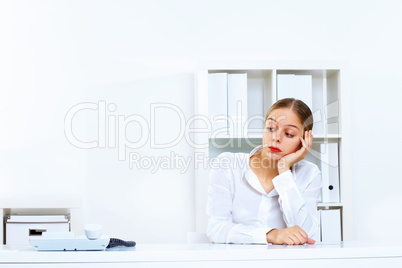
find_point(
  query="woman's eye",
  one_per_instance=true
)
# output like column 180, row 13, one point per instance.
column 289, row 135
column 270, row 129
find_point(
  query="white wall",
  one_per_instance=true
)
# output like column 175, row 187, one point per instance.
column 57, row 54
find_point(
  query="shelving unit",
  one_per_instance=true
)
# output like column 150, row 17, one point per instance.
column 330, row 107
column 42, row 206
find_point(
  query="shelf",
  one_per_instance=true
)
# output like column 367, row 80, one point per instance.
column 329, row 104
column 330, row 205
column 40, row 203
column 227, row 137
column 261, row 64
column 328, row 136
column 42, row 206
column 259, row 136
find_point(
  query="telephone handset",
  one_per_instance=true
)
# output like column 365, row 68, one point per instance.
column 94, row 231
column 115, row 242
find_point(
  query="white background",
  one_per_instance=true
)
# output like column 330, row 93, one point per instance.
column 56, row 54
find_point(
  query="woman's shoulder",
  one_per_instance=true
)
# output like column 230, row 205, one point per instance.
column 232, row 160
column 226, row 167
column 232, row 155
column 308, row 166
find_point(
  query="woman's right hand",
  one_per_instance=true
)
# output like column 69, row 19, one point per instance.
column 292, row 236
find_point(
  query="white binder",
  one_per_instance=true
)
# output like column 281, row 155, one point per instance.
column 330, row 225
column 255, row 107
column 332, row 117
column 304, row 89
column 330, row 172
column 237, row 104
column 295, row 86
column 217, row 103
column 285, row 84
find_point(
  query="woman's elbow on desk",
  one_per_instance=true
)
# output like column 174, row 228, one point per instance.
column 216, row 233
column 216, row 238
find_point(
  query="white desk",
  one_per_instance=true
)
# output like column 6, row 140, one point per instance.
column 374, row 254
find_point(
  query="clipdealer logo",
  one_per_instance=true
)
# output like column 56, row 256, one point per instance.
column 112, row 134
column 112, row 128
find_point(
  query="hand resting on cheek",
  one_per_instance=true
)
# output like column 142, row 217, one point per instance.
column 287, row 161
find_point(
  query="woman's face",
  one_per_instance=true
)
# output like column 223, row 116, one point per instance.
column 282, row 133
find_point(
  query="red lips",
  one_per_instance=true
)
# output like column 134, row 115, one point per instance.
column 274, row 149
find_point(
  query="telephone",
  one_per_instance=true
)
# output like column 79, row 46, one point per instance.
column 65, row 241
column 94, row 231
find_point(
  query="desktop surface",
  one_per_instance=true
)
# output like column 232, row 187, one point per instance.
column 193, row 255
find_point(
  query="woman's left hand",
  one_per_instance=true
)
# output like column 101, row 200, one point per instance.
column 287, row 161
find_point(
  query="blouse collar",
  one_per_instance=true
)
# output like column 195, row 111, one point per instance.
column 252, row 179
column 256, row 150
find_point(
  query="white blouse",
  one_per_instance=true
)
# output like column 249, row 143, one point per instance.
column 240, row 211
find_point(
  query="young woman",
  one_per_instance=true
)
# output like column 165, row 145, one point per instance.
column 271, row 194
